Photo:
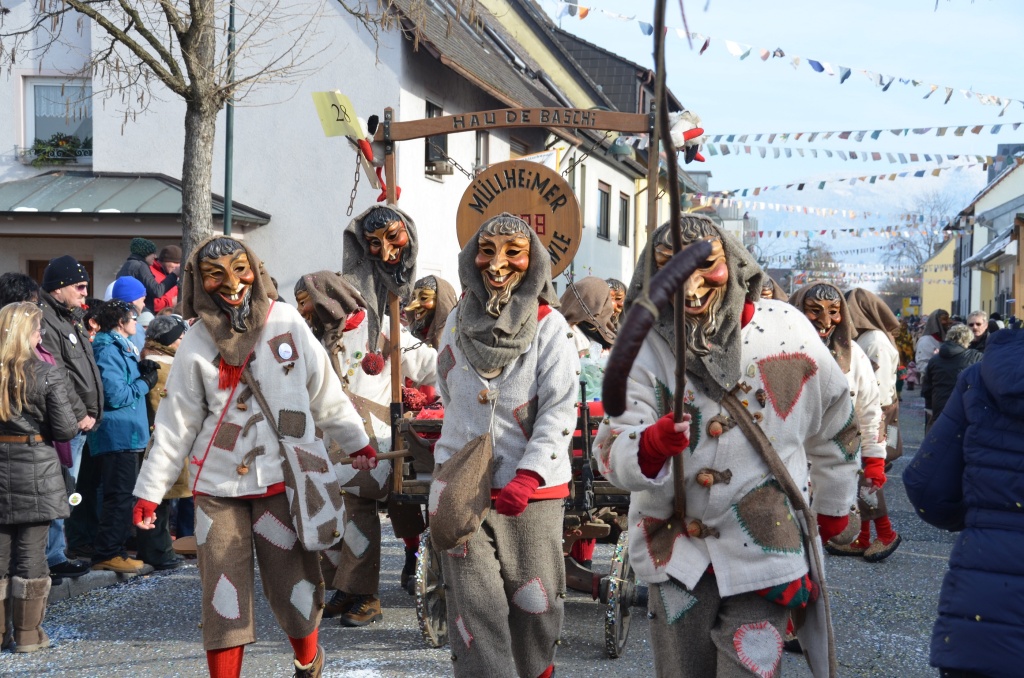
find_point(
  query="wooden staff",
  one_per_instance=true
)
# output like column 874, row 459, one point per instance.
column 677, row 240
column 397, row 442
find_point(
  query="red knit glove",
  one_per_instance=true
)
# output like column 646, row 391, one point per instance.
column 144, row 512
column 830, row 526
column 369, row 453
column 514, row 497
column 661, row 441
column 874, row 470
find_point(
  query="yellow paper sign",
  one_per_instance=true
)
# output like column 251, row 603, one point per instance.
column 337, row 115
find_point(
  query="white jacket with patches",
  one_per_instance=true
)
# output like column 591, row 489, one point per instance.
column 882, row 353
column 864, row 392
column 535, row 414
column 304, row 396
column 778, row 341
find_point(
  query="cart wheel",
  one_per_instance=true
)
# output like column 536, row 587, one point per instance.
column 621, row 589
column 431, row 607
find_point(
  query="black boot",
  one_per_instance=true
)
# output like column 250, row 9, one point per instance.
column 408, row 579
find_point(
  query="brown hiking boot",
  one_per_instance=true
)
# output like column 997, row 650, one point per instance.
column 365, row 610
column 314, row 668
column 120, row 564
column 340, row 603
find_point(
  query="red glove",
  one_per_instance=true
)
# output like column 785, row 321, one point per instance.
column 514, row 497
column 874, row 470
column 659, row 442
column 367, row 452
column 830, row 526
column 144, row 510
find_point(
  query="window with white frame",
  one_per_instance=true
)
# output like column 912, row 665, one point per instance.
column 57, row 109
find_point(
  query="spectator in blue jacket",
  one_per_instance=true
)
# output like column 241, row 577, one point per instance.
column 968, row 477
column 123, row 433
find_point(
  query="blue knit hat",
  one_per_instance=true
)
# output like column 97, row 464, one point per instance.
column 127, row 288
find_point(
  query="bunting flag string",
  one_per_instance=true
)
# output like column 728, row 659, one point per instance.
column 894, row 158
column 884, row 232
column 861, row 134
column 702, row 200
column 741, row 51
column 870, row 179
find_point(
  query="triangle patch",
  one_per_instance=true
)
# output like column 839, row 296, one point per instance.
column 661, row 538
column 784, row 376
column 676, row 599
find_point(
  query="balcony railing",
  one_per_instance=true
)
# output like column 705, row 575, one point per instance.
column 60, row 149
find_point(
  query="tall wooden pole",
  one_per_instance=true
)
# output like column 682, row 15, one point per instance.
column 394, row 310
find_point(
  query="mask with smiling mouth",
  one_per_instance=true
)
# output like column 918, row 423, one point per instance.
column 386, row 238
column 422, row 307
column 503, row 256
column 704, row 290
column 227, row 277
column 822, row 304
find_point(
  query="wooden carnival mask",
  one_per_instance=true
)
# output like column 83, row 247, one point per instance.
column 822, row 306
column 502, row 259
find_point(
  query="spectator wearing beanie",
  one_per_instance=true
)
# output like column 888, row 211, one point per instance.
column 143, row 254
column 117, row 445
column 132, row 292
column 64, row 289
column 168, row 261
column 163, row 337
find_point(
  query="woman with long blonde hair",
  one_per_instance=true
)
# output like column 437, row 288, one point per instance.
column 34, row 411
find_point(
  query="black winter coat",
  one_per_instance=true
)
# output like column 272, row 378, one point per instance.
column 136, row 267
column 68, row 343
column 943, row 370
column 32, row 488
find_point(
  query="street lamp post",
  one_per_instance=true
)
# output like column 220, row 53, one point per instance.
column 229, row 123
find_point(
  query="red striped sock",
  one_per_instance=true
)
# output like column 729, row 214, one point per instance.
column 226, row 662
column 305, row 648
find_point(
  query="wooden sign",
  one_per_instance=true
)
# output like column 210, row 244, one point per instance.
column 578, row 118
column 533, row 192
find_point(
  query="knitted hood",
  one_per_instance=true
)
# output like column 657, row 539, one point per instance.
column 333, row 300
column 721, row 368
column 842, row 335
column 367, row 274
column 587, row 303
column 491, row 343
column 445, row 300
column 869, row 312
column 234, row 346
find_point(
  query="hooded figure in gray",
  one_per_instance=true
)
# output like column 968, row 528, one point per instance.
column 713, row 347
column 381, row 245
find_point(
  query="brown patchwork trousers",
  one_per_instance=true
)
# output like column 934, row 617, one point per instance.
column 506, row 594
column 699, row 634
column 353, row 564
column 227, row 533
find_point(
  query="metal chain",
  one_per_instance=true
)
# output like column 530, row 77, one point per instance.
column 586, row 154
column 454, row 163
column 355, row 186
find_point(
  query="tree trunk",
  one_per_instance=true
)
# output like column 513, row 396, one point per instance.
column 196, row 173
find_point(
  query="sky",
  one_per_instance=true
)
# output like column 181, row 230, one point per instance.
column 963, row 44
